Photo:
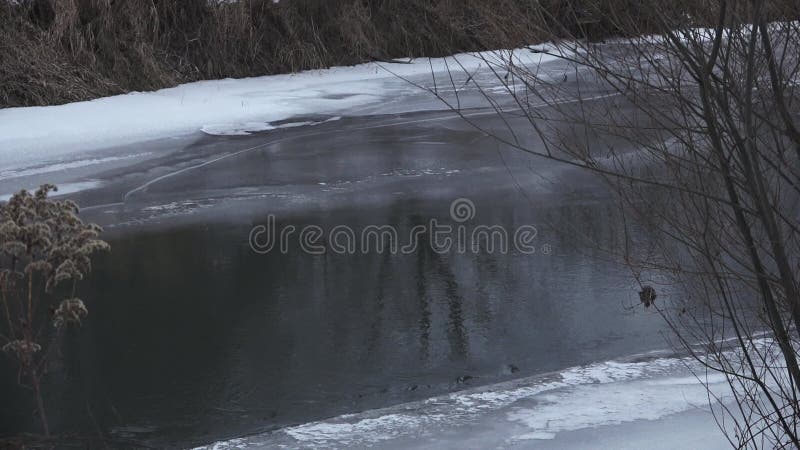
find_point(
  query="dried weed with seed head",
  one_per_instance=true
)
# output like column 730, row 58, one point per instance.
column 45, row 250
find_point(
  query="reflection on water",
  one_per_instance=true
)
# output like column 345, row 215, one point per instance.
column 194, row 337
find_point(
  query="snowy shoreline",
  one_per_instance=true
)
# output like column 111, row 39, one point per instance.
column 651, row 400
column 32, row 135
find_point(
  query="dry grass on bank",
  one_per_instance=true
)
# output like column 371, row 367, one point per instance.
column 57, row 51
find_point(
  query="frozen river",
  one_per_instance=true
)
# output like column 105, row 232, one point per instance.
column 195, row 337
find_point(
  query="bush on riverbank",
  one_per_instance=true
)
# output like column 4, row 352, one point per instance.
column 45, row 251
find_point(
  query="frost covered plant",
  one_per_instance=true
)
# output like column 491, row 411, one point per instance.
column 69, row 311
column 22, row 347
column 45, row 250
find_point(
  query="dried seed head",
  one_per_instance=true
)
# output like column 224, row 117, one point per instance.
column 22, row 348
column 33, row 227
column 39, row 266
column 69, row 311
column 14, row 248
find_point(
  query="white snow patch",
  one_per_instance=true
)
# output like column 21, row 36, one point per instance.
column 596, row 405
column 63, row 189
column 375, row 430
column 231, row 106
column 535, row 408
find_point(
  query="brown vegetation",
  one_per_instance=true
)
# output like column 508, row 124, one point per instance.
column 57, row 51
column 45, row 251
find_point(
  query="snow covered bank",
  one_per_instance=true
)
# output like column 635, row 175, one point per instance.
column 608, row 399
column 31, row 136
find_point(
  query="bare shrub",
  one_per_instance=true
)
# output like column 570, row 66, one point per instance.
column 45, row 251
column 708, row 179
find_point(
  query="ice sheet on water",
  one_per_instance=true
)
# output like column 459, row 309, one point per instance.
column 647, row 387
column 247, row 128
column 63, row 189
column 57, row 166
column 37, row 134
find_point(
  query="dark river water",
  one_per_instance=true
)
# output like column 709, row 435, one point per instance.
column 194, row 336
